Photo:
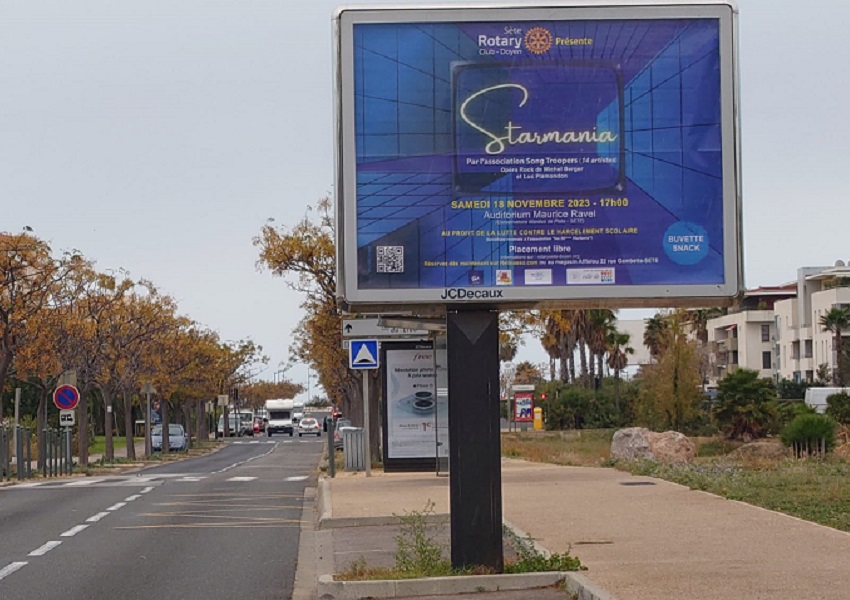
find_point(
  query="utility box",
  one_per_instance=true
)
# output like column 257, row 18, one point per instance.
column 354, row 448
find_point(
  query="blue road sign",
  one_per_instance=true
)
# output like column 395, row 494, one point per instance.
column 66, row 397
column 363, row 354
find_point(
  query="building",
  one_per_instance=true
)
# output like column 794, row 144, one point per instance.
column 802, row 345
column 744, row 338
column 776, row 330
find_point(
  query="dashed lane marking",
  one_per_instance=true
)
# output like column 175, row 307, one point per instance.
column 44, row 549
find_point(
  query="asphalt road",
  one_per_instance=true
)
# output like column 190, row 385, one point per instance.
column 225, row 525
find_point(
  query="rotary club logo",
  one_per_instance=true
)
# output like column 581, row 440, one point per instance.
column 538, row 40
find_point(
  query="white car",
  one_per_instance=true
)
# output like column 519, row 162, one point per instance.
column 310, row 426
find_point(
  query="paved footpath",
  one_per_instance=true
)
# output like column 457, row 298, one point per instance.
column 641, row 538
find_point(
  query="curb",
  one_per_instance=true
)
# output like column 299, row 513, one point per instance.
column 330, row 589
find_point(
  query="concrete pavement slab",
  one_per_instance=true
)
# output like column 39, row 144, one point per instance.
column 641, row 538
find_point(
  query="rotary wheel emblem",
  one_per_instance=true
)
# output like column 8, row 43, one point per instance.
column 538, row 40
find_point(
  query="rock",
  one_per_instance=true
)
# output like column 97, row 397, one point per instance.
column 766, row 449
column 641, row 443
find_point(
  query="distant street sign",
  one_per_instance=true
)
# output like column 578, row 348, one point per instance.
column 223, row 399
column 67, row 418
column 363, row 354
column 369, row 328
column 66, row 397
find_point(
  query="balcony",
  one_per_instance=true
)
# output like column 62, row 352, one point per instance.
column 727, row 345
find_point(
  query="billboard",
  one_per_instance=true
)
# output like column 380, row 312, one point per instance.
column 522, row 156
column 523, row 407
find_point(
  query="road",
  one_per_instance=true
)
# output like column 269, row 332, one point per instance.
column 224, row 525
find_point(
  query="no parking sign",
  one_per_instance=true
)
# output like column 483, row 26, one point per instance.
column 66, row 397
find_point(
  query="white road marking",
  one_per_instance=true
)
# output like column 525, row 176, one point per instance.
column 241, row 479
column 146, row 490
column 242, row 462
column 82, row 482
column 133, row 497
column 21, row 486
column 11, row 568
column 116, row 506
column 97, row 517
column 44, row 549
column 190, row 479
column 73, row 531
column 297, row 478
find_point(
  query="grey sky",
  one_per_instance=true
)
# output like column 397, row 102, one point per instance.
column 159, row 136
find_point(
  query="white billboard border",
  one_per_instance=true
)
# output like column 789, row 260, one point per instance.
column 354, row 299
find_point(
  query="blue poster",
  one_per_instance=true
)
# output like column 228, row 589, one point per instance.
column 543, row 154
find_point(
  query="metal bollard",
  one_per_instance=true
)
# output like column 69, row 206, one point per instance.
column 19, row 452
column 28, row 450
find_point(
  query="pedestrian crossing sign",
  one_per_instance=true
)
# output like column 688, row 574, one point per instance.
column 363, row 354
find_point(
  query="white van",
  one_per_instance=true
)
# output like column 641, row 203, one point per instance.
column 239, row 423
column 816, row 396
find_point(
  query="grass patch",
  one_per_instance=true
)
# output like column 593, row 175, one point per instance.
column 98, row 446
column 816, row 490
column 577, row 448
column 421, row 552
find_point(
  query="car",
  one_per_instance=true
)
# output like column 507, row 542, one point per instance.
column 259, row 425
column 309, row 426
column 177, row 439
column 340, row 425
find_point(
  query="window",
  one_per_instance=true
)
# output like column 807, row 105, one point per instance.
column 807, row 352
column 765, row 332
column 765, row 360
column 734, row 357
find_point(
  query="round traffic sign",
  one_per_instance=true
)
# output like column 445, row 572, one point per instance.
column 66, row 397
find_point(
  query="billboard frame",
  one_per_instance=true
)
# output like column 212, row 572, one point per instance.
column 436, row 300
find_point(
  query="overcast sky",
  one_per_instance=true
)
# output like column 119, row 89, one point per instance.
column 159, row 136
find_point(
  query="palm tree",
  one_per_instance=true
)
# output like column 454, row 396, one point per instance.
column 836, row 321
column 699, row 318
column 655, row 334
column 600, row 324
column 618, row 357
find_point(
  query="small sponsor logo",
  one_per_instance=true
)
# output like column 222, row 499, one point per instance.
column 590, row 276
column 538, row 277
column 475, row 277
column 504, row 277
column 538, row 40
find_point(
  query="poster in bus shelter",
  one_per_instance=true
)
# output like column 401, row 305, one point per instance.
column 588, row 154
column 523, row 407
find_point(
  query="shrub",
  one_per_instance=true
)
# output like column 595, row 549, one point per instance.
column 838, row 407
column 810, row 434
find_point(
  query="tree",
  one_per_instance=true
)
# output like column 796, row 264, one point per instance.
column 618, row 358
column 30, row 278
column 305, row 257
column 745, row 404
column 670, row 396
column 528, row 373
column 836, row 320
column 655, row 334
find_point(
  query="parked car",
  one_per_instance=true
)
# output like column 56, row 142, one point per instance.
column 177, row 438
column 309, row 426
column 340, row 425
column 259, row 425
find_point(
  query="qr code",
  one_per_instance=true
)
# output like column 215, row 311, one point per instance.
column 390, row 259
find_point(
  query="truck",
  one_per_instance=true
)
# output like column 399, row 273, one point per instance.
column 816, row 396
column 240, row 422
column 279, row 415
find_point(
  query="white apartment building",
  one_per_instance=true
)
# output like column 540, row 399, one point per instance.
column 801, row 343
column 776, row 330
column 745, row 337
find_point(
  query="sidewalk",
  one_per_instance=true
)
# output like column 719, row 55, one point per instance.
column 640, row 538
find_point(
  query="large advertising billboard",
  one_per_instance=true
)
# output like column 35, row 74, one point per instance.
column 525, row 156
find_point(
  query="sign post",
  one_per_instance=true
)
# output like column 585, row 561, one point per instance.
column 147, row 390
column 363, row 355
